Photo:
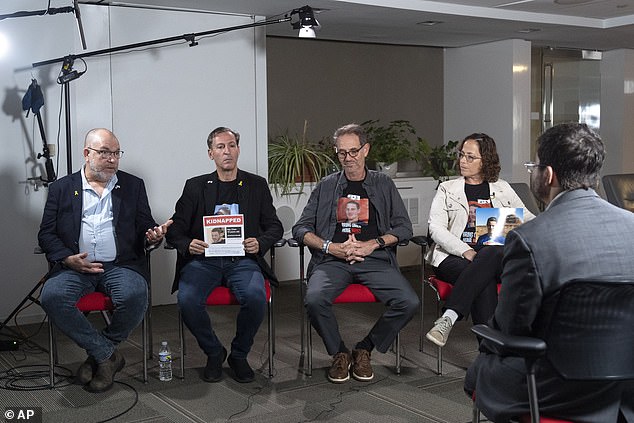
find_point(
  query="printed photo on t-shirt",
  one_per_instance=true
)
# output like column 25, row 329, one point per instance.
column 353, row 214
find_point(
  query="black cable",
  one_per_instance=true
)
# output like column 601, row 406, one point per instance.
column 11, row 379
column 136, row 401
column 339, row 399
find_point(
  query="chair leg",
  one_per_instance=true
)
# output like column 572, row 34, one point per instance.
column 271, row 335
column 309, row 347
column 144, row 340
column 398, row 353
column 181, row 339
column 476, row 414
column 51, row 354
column 439, row 355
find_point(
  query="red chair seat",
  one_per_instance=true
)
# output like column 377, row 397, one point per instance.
column 526, row 418
column 356, row 293
column 223, row 296
column 95, row 301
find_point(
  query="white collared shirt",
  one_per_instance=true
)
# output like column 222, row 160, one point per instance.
column 97, row 236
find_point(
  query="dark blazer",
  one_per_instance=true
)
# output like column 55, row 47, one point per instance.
column 61, row 223
column 578, row 236
column 198, row 200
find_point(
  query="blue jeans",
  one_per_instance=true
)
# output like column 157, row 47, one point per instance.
column 243, row 277
column 126, row 288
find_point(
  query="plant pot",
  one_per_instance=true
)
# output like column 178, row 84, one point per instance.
column 389, row 169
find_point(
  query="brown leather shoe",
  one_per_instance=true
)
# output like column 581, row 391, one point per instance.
column 104, row 376
column 340, row 368
column 361, row 367
column 86, row 371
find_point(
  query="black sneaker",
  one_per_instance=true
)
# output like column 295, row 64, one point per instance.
column 86, row 371
column 242, row 372
column 213, row 369
column 104, row 376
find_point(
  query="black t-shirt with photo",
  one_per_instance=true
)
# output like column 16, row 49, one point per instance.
column 477, row 196
column 355, row 215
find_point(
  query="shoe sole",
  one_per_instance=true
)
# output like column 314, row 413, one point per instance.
column 333, row 380
column 362, row 378
column 435, row 341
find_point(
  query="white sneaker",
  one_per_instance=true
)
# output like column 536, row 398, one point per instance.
column 440, row 332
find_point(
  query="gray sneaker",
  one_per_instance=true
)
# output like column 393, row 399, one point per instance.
column 440, row 332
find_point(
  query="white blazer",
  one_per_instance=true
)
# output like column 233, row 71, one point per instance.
column 450, row 211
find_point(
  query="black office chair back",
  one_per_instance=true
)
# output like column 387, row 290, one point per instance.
column 591, row 336
column 619, row 190
column 527, row 197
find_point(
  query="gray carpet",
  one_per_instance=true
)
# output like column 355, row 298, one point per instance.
column 416, row 395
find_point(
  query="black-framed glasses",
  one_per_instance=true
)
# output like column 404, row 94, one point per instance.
column 531, row 166
column 353, row 152
column 106, row 154
column 468, row 157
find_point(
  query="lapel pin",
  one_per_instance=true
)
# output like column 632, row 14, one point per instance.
column 76, row 193
column 240, row 183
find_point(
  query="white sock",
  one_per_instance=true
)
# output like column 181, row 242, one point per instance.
column 453, row 316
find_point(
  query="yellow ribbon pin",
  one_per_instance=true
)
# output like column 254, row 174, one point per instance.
column 76, row 193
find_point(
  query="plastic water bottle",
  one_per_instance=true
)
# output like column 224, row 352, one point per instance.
column 165, row 362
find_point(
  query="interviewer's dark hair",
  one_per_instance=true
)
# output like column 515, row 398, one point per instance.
column 575, row 152
column 220, row 130
column 488, row 151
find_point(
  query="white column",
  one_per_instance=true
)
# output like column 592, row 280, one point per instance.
column 487, row 89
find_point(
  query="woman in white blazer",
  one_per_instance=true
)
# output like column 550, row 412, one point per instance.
column 474, row 274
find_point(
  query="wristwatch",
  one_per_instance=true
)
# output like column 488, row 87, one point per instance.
column 381, row 242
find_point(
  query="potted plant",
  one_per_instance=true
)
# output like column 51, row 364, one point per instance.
column 295, row 159
column 438, row 162
column 389, row 144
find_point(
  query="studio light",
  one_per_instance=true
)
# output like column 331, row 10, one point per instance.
column 306, row 23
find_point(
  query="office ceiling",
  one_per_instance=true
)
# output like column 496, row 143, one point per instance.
column 576, row 24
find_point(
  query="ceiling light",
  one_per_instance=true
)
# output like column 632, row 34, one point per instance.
column 429, row 23
column 528, row 30
column 306, row 23
column 572, row 2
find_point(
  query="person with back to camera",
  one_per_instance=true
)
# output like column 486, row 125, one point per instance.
column 95, row 226
column 197, row 275
column 473, row 274
column 578, row 236
column 341, row 257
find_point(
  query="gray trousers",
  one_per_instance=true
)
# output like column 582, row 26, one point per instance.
column 329, row 278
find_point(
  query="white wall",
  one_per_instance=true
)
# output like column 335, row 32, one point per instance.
column 161, row 102
column 487, row 89
column 617, row 109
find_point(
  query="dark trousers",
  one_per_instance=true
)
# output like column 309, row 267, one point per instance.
column 474, row 283
column 329, row 279
column 244, row 278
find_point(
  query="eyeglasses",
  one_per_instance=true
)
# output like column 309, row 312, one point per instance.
column 530, row 166
column 105, row 154
column 353, row 153
column 469, row 158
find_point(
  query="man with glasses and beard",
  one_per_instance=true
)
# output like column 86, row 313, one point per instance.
column 95, row 227
column 578, row 236
column 366, row 255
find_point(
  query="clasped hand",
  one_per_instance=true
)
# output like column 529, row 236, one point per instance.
column 352, row 250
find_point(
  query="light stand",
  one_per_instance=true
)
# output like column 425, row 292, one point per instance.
column 67, row 73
